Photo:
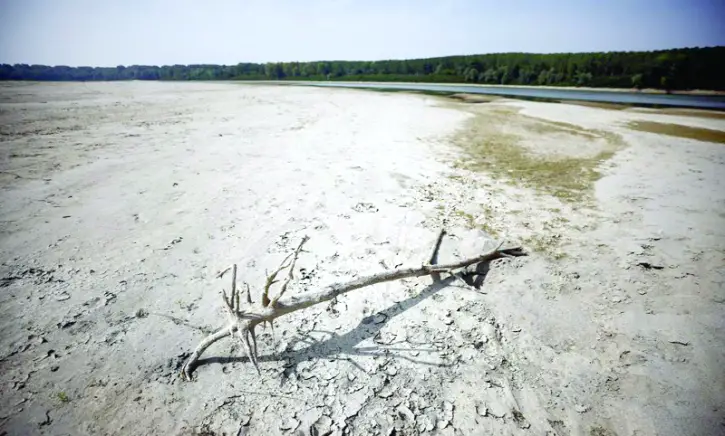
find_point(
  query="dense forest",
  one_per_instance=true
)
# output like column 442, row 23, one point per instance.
column 677, row 69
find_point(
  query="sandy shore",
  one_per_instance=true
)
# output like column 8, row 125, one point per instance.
column 122, row 201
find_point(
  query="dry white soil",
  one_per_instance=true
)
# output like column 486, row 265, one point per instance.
column 120, row 202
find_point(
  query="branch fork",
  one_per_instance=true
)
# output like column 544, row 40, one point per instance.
column 245, row 316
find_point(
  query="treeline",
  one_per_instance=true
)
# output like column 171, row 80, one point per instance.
column 677, row 69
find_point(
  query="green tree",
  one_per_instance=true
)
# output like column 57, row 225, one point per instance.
column 543, row 78
column 583, row 79
column 471, row 75
column 665, row 83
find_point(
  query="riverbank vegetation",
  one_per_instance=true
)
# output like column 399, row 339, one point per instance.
column 676, row 69
column 680, row 131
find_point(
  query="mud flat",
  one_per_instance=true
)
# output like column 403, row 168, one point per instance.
column 121, row 202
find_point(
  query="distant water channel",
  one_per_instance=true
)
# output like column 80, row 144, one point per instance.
column 716, row 102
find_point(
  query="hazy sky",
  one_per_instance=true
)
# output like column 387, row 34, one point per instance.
column 157, row 32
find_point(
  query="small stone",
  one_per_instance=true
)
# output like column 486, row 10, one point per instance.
column 365, row 207
column 62, row 297
column 331, row 374
column 581, row 408
column 323, row 426
column 142, row 313
column 447, row 416
column 679, row 342
column 65, row 323
column 380, row 318
column 497, row 408
column 448, row 321
column 388, row 391
column 384, row 338
column 421, row 402
column 479, row 343
column 482, row 410
column 289, row 424
column 497, row 414
column 406, row 413
column 425, row 423
column 54, row 368
column 642, row 292
column 616, row 299
column 516, row 329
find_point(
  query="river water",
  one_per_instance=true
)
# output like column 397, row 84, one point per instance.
column 622, row 97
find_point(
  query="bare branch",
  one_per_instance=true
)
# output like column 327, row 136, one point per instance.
column 251, row 351
column 296, row 303
column 249, row 296
column 203, row 345
column 271, row 279
column 235, row 296
column 227, row 301
column 434, row 255
column 290, row 276
column 245, row 321
column 220, row 274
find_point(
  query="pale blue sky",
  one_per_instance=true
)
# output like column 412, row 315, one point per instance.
column 157, row 32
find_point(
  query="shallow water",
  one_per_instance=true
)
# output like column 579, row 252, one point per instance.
column 631, row 98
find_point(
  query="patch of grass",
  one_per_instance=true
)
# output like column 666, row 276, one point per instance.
column 568, row 179
column 401, row 90
column 678, row 130
column 499, row 153
column 488, row 228
column 542, row 126
column 540, row 244
column 63, row 397
column 470, row 220
column 600, row 431
column 547, row 245
column 472, row 224
column 475, row 98
column 555, row 223
column 697, row 113
column 597, row 104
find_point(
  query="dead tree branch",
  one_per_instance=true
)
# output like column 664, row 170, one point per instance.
column 244, row 319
